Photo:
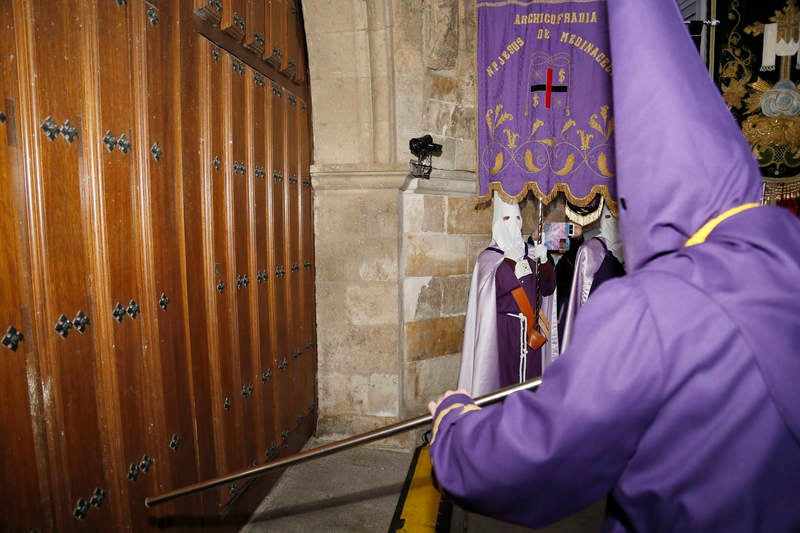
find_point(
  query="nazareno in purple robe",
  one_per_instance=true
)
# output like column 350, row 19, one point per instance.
column 508, row 327
column 479, row 372
column 679, row 394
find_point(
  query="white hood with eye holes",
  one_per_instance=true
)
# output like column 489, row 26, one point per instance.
column 507, row 228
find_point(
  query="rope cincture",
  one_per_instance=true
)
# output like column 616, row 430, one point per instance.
column 523, row 344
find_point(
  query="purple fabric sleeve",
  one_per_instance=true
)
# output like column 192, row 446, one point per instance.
column 526, row 460
column 548, row 280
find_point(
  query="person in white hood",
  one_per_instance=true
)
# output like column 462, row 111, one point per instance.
column 492, row 353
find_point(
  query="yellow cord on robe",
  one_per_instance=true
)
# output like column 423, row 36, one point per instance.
column 708, row 227
column 464, row 410
column 440, row 416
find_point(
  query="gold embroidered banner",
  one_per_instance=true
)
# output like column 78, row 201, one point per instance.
column 758, row 57
column 545, row 120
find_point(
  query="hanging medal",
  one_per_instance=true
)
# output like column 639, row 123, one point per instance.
column 522, row 268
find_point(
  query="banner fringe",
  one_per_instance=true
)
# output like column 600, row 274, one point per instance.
column 533, row 188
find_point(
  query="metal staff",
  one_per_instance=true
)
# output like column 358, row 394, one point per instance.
column 333, row 447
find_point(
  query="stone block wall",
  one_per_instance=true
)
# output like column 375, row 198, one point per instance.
column 394, row 265
column 441, row 238
column 357, row 244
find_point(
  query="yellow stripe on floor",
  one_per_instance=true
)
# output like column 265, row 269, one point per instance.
column 421, row 506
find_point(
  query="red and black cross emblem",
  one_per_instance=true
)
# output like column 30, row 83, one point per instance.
column 548, row 88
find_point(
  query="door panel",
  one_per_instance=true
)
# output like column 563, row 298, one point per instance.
column 289, row 66
column 306, row 236
column 223, row 348
column 246, row 282
column 275, row 53
column 50, row 118
column 195, row 168
column 167, row 377
column 16, row 337
column 278, row 255
column 233, row 21
column 255, row 36
column 294, row 278
column 264, row 368
column 210, row 11
column 109, row 129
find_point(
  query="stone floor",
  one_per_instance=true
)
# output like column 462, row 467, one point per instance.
column 352, row 491
column 357, row 491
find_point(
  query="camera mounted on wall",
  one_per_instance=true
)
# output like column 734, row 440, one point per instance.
column 423, row 148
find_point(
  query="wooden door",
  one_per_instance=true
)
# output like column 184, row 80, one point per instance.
column 155, row 298
column 18, row 369
column 50, row 120
column 161, row 278
column 263, row 365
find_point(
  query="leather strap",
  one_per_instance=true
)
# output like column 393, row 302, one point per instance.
column 535, row 338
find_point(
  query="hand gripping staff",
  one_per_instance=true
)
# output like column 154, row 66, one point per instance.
column 333, row 447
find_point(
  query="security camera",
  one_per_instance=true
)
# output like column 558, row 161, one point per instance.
column 424, row 146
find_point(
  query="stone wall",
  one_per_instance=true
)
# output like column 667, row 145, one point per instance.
column 441, row 238
column 394, row 255
column 357, row 319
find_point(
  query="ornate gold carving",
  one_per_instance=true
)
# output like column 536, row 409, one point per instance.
column 775, row 139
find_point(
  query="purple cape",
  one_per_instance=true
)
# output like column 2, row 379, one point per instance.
column 679, row 394
column 479, row 372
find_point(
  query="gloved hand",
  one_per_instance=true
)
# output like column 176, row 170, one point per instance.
column 540, row 253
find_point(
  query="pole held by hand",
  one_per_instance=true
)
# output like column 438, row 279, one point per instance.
column 333, row 447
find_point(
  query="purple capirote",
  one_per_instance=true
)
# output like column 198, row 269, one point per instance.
column 679, row 394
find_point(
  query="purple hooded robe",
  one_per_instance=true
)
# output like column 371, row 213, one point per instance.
column 679, row 394
column 485, row 350
column 509, row 328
